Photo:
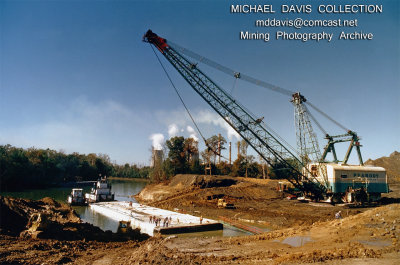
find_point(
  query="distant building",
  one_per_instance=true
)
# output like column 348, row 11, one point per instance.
column 157, row 158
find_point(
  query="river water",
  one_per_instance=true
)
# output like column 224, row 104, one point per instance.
column 123, row 190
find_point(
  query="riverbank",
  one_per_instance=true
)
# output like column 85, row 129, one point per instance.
column 362, row 236
column 367, row 238
column 130, row 179
column 49, row 219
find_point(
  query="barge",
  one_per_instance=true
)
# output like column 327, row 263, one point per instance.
column 142, row 217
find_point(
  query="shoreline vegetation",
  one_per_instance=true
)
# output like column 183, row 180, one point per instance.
column 32, row 168
column 132, row 179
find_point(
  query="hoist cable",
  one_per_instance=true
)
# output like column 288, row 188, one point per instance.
column 234, row 86
column 229, row 71
column 247, row 78
column 327, row 116
column 315, row 120
column 184, row 105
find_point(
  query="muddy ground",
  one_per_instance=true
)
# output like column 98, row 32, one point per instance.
column 301, row 232
column 257, row 201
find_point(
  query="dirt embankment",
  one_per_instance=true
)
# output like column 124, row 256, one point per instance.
column 256, row 200
column 49, row 219
column 48, row 232
column 303, row 233
column 15, row 213
column 371, row 237
column 391, row 164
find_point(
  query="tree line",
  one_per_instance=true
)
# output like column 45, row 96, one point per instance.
column 182, row 156
column 37, row 168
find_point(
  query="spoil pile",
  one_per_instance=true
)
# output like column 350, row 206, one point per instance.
column 201, row 181
column 15, row 213
column 205, row 186
column 49, row 219
column 255, row 201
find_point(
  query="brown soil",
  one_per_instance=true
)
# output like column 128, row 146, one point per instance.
column 256, row 200
column 367, row 235
column 391, row 164
column 57, row 221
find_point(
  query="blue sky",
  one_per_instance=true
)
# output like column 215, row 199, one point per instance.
column 75, row 75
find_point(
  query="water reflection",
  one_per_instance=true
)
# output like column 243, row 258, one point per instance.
column 295, row 241
column 227, row 231
column 124, row 191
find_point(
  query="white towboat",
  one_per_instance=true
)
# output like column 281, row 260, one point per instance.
column 101, row 192
column 76, row 197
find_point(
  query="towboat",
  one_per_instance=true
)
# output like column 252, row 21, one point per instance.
column 76, row 197
column 101, row 192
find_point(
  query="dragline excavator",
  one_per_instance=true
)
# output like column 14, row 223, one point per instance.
column 310, row 172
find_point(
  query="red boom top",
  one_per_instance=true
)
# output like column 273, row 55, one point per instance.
column 153, row 38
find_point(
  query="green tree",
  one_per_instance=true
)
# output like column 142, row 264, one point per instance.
column 190, row 147
column 239, row 167
column 280, row 170
column 176, row 160
column 212, row 149
column 224, row 168
column 32, row 168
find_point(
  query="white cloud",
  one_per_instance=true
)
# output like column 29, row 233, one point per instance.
column 172, row 130
column 85, row 127
column 190, row 129
column 192, row 133
column 194, row 137
column 158, row 140
column 208, row 117
column 205, row 116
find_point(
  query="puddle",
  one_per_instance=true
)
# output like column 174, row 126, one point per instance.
column 296, row 241
column 376, row 243
column 228, row 231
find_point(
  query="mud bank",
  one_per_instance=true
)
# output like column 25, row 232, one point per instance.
column 48, row 219
column 371, row 237
column 256, row 201
column 303, row 233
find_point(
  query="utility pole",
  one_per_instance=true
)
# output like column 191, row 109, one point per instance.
column 263, row 170
column 238, row 146
column 230, row 153
column 219, row 148
column 263, row 165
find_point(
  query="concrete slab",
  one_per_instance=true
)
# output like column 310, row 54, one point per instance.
column 141, row 217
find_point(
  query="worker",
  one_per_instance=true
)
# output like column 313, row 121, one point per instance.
column 338, row 215
column 201, row 219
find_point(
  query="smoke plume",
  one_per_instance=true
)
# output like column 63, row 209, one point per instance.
column 158, row 140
